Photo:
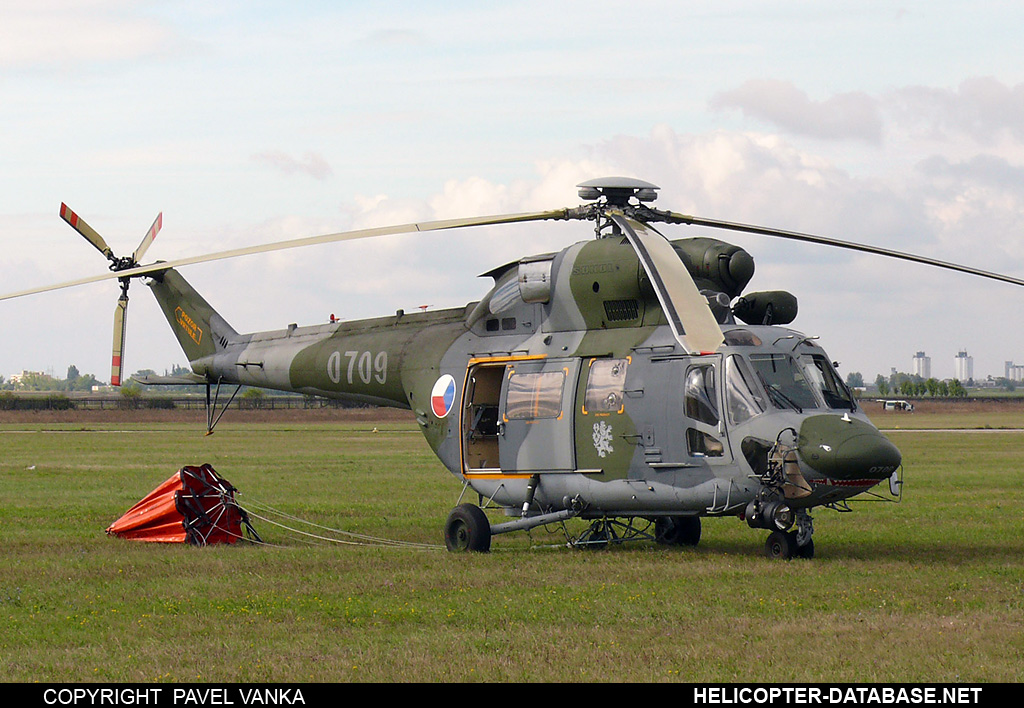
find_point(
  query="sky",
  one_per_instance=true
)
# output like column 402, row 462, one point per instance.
column 900, row 125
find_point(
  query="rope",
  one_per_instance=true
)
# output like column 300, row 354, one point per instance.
column 359, row 539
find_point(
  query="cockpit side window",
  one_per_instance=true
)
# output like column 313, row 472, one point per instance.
column 784, row 381
column 701, row 405
column 825, row 379
column 742, row 399
column 701, row 395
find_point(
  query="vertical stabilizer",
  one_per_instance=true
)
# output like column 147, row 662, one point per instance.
column 201, row 332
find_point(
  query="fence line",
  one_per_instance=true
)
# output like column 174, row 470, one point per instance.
column 89, row 401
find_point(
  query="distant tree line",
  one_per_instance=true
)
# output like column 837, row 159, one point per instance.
column 38, row 381
column 912, row 385
column 76, row 381
column 54, row 393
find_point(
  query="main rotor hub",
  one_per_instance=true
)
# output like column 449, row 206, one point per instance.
column 617, row 191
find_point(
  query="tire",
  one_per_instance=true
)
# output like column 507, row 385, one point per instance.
column 779, row 546
column 689, row 530
column 677, row 530
column 467, row 529
column 666, row 530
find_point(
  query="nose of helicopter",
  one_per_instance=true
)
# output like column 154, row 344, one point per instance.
column 841, row 447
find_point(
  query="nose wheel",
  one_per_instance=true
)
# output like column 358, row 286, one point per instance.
column 783, row 545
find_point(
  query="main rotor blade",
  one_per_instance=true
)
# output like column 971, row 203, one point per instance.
column 556, row 214
column 148, row 239
column 117, row 357
column 688, row 313
column 849, row 245
column 79, row 225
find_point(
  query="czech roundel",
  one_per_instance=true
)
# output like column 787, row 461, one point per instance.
column 442, row 397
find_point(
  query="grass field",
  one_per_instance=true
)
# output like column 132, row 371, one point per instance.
column 931, row 589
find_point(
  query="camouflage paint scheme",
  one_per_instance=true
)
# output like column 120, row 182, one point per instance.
column 559, row 314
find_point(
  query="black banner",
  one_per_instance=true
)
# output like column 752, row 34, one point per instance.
column 732, row 695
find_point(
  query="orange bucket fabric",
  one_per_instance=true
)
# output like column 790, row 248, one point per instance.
column 195, row 505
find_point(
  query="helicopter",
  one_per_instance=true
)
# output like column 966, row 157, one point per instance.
column 626, row 380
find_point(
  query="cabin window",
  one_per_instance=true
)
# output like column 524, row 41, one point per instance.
column 605, row 386
column 825, row 379
column 741, row 397
column 534, row 395
column 701, row 395
column 784, row 381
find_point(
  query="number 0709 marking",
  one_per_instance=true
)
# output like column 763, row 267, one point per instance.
column 364, row 364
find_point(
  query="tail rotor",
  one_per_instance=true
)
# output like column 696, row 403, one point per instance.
column 117, row 264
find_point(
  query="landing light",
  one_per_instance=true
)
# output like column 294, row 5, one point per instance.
column 769, row 515
column 782, row 517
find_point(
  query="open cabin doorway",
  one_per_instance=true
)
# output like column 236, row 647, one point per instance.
column 479, row 422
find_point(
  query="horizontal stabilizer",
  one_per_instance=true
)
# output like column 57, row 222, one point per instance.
column 179, row 380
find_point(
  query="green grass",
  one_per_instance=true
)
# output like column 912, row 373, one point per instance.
column 931, row 589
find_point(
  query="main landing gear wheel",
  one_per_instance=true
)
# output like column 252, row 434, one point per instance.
column 467, row 529
column 677, row 530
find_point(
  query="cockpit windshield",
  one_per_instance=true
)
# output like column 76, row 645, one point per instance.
column 806, row 382
column 784, row 380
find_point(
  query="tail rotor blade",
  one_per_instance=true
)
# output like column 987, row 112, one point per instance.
column 148, row 239
column 79, row 225
column 116, row 359
column 691, row 320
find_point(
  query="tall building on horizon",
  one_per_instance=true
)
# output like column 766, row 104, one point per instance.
column 922, row 366
column 963, row 366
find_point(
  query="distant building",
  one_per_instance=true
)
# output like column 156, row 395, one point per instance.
column 922, row 366
column 963, row 366
column 1014, row 372
column 18, row 379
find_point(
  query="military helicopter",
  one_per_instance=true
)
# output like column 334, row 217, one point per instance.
column 625, row 380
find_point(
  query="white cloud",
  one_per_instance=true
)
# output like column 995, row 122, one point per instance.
column 843, row 116
column 310, row 164
column 981, row 108
column 64, row 34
